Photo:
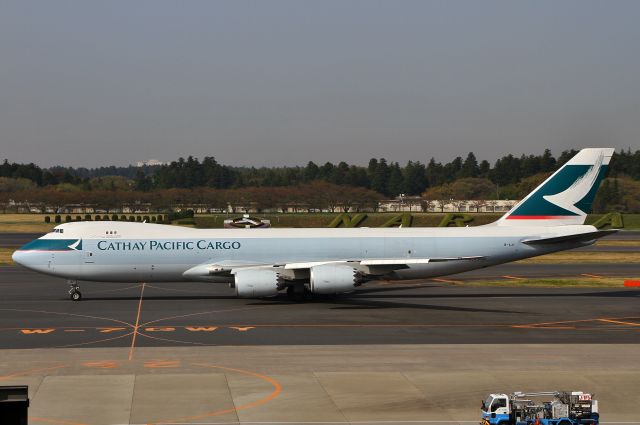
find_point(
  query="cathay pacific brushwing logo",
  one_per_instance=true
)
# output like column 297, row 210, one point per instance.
column 77, row 245
column 568, row 193
column 568, row 198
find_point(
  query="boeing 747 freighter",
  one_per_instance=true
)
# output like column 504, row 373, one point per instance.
column 261, row 263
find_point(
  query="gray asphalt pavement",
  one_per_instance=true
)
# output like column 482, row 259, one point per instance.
column 193, row 353
column 36, row 313
column 13, row 240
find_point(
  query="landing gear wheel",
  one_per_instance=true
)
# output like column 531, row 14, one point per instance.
column 74, row 290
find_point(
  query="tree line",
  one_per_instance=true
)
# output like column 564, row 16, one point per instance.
column 380, row 175
column 510, row 177
column 313, row 196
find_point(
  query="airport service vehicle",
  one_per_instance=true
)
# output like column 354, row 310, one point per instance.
column 261, row 263
column 545, row 408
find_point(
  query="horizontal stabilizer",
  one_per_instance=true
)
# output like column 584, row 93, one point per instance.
column 579, row 237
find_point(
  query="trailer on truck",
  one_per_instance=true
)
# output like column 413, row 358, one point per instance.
column 543, row 408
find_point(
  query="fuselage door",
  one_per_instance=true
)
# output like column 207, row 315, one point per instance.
column 88, row 257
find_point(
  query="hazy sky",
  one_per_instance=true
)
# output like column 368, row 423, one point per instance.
column 90, row 83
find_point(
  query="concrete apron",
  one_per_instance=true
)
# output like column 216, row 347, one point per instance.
column 371, row 384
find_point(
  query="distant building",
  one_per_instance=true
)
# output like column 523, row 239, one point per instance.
column 150, row 163
column 418, row 204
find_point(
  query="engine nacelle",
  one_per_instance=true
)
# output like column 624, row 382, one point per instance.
column 334, row 278
column 256, row 283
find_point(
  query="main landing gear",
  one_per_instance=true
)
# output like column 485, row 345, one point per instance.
column 298, row 293
column 74, row 290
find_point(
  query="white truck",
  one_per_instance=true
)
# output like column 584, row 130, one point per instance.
column 543, row 408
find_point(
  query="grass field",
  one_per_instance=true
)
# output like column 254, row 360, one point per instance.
column 323, row 219
column 5, row 256
column 24, row 223
column 607, row 242
column 585, row 257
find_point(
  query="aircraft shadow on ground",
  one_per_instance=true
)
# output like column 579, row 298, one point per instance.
column 340, row 302
column 382, row 297
column 371, row 293
column 365, row 304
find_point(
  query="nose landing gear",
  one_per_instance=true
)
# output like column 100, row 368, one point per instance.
column 74, row 290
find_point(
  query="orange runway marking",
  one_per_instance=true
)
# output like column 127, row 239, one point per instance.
column 201, row 328
column 94, row 342
column 37, row 331
column 67, row 314
column 30, row 371
column 161, row 364
column 277, row 389
column 543, row 327
column 618, row 322
column 107, row 330
column 567, row 323
column 364, row 325
column 595, row 276
column 204, row 313
column 135, row 328
column 102, row 329
column 513, row 277
column 106, row 291
column 160, row 329
column 101, row 365
column 170, row 340
column 447, row 281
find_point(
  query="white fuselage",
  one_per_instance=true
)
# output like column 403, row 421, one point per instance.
column 142, row 252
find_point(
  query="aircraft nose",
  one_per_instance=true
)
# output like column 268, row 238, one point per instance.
column 29, row 259
column 18, row 257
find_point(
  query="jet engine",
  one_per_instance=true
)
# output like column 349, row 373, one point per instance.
column 258, row 282
column 334, row 278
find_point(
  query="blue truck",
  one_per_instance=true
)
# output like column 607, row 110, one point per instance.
column 542, row 408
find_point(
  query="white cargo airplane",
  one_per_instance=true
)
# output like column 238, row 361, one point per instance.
column 260, row 263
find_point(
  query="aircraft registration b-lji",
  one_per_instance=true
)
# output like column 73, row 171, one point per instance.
column 261, row 263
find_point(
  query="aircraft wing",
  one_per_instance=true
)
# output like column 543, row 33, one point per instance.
column 221, row 268
column 370, row 266
column 381, row 262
